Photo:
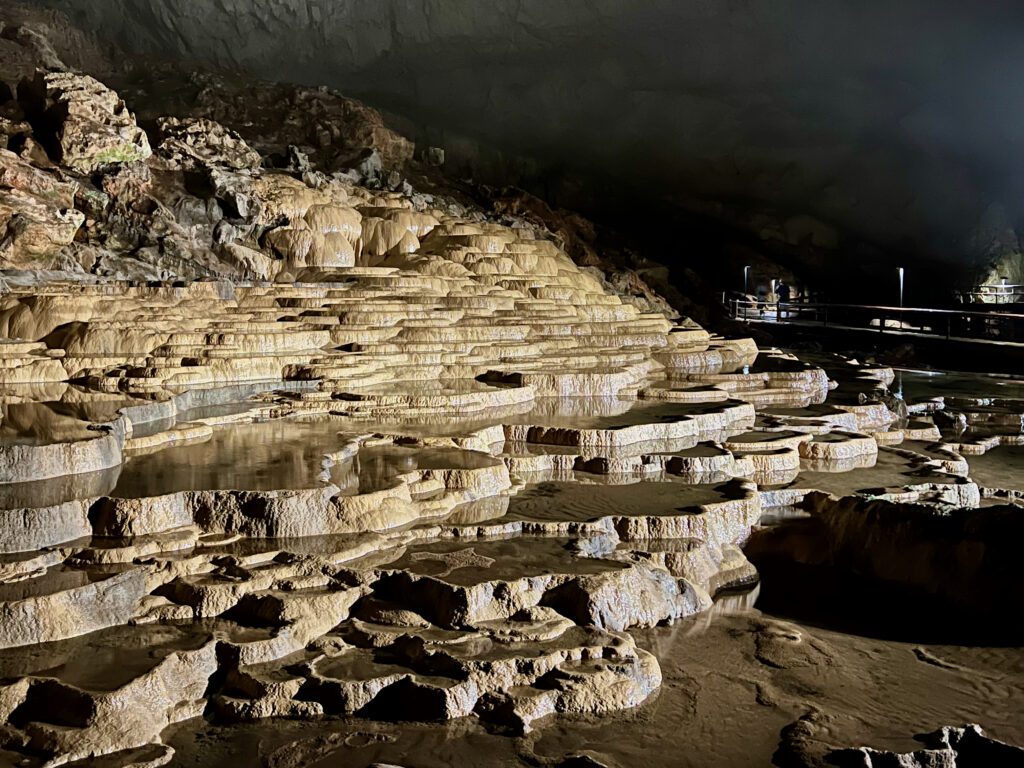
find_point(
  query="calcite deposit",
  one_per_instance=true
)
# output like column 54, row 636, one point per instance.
column 303, row 441
column 805, row 743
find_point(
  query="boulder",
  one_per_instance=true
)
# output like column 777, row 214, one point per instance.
column 84, row 125
column 191, row 143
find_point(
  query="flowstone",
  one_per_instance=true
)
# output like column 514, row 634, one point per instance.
column 308, row 445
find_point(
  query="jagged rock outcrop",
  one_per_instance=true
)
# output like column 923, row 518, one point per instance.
column 332, row 131
column 197, row 142
column 37, row 214
column 84, row 125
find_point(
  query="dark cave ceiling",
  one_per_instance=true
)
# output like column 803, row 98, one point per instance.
column 829, row 123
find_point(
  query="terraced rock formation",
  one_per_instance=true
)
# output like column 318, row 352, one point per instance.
column 282, row 439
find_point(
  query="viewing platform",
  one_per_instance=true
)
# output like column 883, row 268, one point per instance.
column 990, row 340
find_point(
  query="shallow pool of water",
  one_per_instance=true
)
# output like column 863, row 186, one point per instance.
column 1001, row 467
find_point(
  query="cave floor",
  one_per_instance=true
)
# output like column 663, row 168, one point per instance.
column 734, row 678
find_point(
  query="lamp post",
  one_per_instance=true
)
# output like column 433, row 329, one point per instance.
column 899, row 271
column 746, row 289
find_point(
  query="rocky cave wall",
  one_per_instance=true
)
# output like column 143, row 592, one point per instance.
column 860, row 130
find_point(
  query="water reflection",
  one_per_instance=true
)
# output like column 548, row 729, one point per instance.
column 58, row 490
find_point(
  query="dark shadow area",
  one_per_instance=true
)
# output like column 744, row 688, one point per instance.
column 841, row 599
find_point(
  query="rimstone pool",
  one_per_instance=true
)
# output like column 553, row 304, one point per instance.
column 303, row 579
column 317, row 451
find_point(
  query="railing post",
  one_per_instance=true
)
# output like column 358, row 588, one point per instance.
column 949, row 327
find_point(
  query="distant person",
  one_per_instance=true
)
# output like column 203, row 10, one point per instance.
column 785, row 293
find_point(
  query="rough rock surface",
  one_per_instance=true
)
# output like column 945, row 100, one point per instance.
column 196, row 142
column 37, row 214
column 83, row 124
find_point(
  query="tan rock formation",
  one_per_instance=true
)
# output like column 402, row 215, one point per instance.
column 392, row 456
column 85, row 124
column 37, row 214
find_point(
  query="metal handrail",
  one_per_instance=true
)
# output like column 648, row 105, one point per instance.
column 1007, row 326
column 998, row 294
column 794, row 305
